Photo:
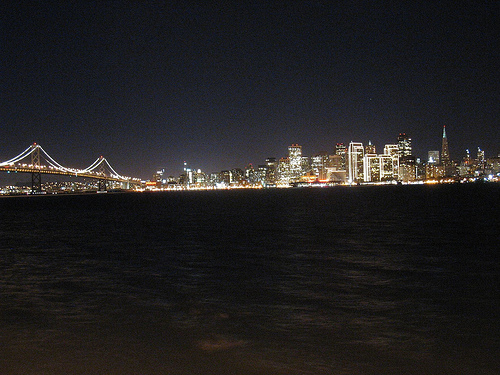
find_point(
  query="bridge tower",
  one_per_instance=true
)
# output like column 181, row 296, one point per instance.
column 102, row 183
column 36, row 176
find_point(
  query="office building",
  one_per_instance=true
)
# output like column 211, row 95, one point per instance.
column 355, row 154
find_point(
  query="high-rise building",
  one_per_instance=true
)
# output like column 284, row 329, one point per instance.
column 433, row 168
column 480, row 155
column 283, row 172
column 434, row 171
column 407, row 169
column 260, row 174
column 407, row 162
column 433, row 157
column 404, row 145
column 237, row 175
column 188, row 176
column 341, row 150
column 355, row 154
column 391, row 150
column 271, row 171
column 158, row 176
column 319, row 163
column 225, row 178
column 296, row 161
column 379, row 168
column 445, row 153
column 306, row 165
column 335, row 162
column 450, row 169
column 370, row 149
column 388, row 167
column 371, row 168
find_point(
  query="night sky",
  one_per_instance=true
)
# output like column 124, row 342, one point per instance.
column 150, row 85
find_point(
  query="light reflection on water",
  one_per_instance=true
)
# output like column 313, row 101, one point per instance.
column 337, row 281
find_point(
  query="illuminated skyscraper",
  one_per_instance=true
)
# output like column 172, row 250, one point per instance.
column 407, row 163
column 446, row 162
column 389, row 167
column 271, row 171
column 392, row 151
column 283, row 172
column 404, row 145
column 433, row 157
column 341, row 150
column 407, row 169
column 319, row 163
column 445, row 153
column 296, row 161
column 371, row 168
column 480, row 155
column 355, row 154
column 384, row 167
column 370, row 149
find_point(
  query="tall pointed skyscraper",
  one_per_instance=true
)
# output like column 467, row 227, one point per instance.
column 445, row 153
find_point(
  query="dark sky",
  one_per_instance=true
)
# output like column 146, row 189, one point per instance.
column 149, row 85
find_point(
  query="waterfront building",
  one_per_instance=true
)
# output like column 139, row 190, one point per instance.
column 389, row 165
column 319, row 164
column 392, row 151
column 380, row 168
column 407, row 162
column 336, row 169
column 371, row 168
column 283, row 172
column 419, row 169
column 238, row 176
column 224, row 178
column 253, row 175
column 494, row 163
column 200, row 179
column 158, row 176
column 407, row 169
column 434, row 171
column 271, row 171
column 214, row 179
column 296, row 162
column 336, row 162
column 355, row 154
column 260, row 174
column 341, row 150
column 336, row 176
column 306, row 165
column 467, row 166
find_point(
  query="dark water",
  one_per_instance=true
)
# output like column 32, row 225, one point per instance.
column 365, row 280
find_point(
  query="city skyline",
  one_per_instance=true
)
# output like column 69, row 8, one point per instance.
column 403, row 142
column 424, row 157
column 150, row 84
column 352, row 163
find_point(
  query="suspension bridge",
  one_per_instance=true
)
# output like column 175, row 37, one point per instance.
column 37, row 161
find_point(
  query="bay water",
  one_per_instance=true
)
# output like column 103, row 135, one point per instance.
column 343, row 280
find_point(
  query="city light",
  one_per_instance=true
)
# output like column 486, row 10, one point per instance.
column 347, row 165
column 352, row 164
